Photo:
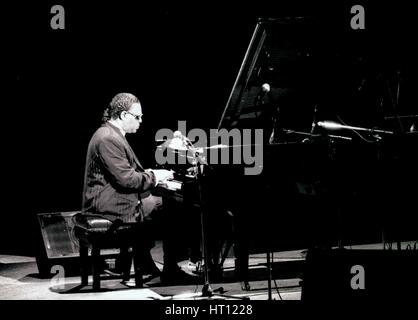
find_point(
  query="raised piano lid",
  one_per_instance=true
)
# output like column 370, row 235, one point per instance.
column 293, row 66
column 279, row 57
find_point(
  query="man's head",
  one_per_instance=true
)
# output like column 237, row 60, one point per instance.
column 124, row 109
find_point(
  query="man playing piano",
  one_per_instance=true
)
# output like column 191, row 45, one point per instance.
column 114, row 179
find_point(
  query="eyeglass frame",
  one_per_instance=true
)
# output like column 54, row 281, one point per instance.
column 137, row 117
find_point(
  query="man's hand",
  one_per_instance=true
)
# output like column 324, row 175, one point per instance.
column 161, row 175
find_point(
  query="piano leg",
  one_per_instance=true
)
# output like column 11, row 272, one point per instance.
column 241, row 250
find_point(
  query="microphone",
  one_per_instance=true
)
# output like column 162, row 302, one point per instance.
column 265, row 89
column 331, row 125
column 178, row 135
column 361, row 85
column 314, row 124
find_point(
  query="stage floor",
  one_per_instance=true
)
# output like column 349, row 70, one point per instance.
column 19, row 280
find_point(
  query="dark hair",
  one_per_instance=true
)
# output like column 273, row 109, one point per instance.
column 121, row 102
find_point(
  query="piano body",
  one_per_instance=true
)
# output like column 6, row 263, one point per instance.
column 317, row 187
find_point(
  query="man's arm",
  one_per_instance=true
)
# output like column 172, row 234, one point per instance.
column 121, row 172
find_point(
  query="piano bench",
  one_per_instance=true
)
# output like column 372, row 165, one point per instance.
column 98, row 233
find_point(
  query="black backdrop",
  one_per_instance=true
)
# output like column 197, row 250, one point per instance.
column 181, row 60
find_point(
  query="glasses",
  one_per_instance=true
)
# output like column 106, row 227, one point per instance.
column 137, row 117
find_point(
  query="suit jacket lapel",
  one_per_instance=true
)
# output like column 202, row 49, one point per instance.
column 127, row 145
column 136, row 159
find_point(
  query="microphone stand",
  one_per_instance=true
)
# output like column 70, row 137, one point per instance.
column 378, row 141
column 207, row 291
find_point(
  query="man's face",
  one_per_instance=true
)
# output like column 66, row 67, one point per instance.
column 132, row 118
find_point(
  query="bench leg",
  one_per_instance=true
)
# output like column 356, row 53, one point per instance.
column 137, row 267
column 95, row 253
column 126, row 262
column 84, row 267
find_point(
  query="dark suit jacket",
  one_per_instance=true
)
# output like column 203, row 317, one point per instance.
column 114, row 178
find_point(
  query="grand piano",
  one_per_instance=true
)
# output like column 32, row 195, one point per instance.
column 317, row 187
column 321, row 186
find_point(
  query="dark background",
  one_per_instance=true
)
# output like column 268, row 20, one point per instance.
column 181, row 60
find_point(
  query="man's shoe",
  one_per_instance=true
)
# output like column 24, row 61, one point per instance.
column 113, row 272
column 150, row 270
column 148, row 276
column 129, row 283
